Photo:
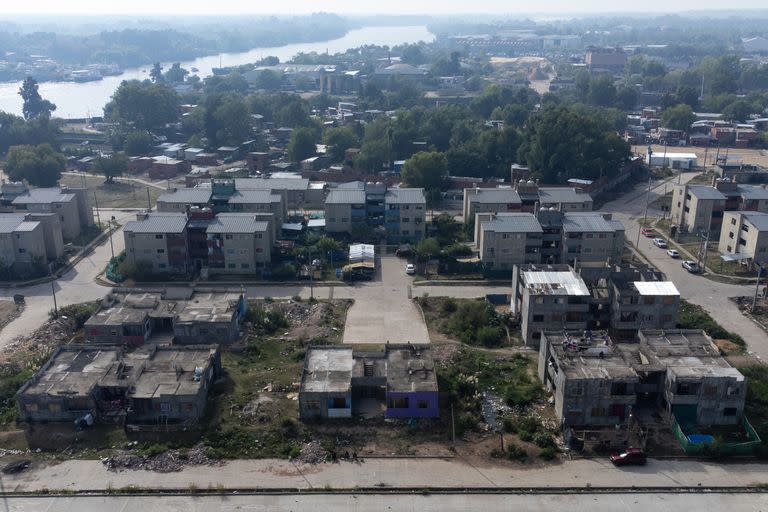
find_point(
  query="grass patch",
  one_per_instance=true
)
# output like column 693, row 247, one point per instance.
column 470, row 321
column 691, row 316
column 756, row 406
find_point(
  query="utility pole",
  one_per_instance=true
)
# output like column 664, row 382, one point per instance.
column 55, row 307
column 645, row 215
column 311, row 277
column 149, row 201
column 757, row 286
column 96, row 202
column 111, row 247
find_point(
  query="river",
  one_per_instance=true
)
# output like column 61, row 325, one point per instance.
column 80, row 100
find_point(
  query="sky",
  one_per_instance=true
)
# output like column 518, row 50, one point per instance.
column 227, row 7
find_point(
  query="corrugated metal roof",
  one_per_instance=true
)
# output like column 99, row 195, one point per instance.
column 588, row 222
column 271, row 184
column 492, row 195
column 186, row 196
column 513, row 223
column 666, row 288
column 253, row 197
column 555, row 283
column 405, row 196
column 44, row 196
column 158, row 223
column 757, row 219
column 752, row 192
column 9, row 222
column 345, row 196
column 551, row 195
column 236, row 223
column 27, row 226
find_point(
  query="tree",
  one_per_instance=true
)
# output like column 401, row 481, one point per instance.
column 39, row 165
column 138, row 142
column 156, row 73
column 602, row 92
column 425, row 170
column 232, row 120
column 34, row 105
column 739, row 110
column 176, row 74
column 626, row 97
column 302, row 144
column 340, row 140
column 427, row 248
column 268, row 80
column 144, row 105
column 562, row 143
column 689, row 95
column 111, row 166
column 679, row 117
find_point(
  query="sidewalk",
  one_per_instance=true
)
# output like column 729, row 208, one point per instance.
column 390, row 474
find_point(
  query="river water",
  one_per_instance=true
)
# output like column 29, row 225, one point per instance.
column 80, row 100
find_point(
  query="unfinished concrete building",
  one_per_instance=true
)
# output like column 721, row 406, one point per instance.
column 184, row 315
column 599, row 382
column 338, row 382
column 154, row 388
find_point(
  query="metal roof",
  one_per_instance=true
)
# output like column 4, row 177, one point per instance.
column 656, row 288
column 405, row 196
column 555, row 283
column 549, row 195
column 492, row 195
column 705, row 192
column 44, row 196
column 158, row 223
column 236, row 223
column 253, row 197
column 589, row 222
column 186, row 196
column 512, row 223
column 345, row 196
column 271, row 184
column 752, row 192
column 757, row 219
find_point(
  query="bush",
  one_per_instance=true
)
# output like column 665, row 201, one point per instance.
column 490, row 336
column 79, row 313
column 153, row 449
column 265, row 322
column 515, row 452
column 544, row 439
column 448, row 305
column 548, row 453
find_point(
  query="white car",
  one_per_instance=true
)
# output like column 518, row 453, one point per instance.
column 691, row 266
column 673, row 253
column 659, row 242
column 410, row 269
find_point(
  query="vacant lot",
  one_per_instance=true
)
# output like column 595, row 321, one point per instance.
column 119, row 194
column 750, row 156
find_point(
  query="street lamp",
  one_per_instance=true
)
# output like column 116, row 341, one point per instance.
column 111, row 247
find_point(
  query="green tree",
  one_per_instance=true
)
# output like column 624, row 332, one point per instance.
column 739, row 110
column 34, row 105
column 143, row 105
column 176, row 74
column 689, row 95
column 233, row 121
column 679, row 117
column 340, row 139
column 156, row 73
column 138, row 142
column 427, row 248
column 425, row 170
column 268, row 80
column 302, row 144
column 39, row 165
column 111, row 166
column 627, row 97
column 602, row 92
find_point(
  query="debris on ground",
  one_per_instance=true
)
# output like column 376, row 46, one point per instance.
column 169, row 461
column 306, row 320
column 312, row 453
column 494, row 408
column 16, row 466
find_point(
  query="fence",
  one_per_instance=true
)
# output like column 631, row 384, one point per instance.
column 697, row 444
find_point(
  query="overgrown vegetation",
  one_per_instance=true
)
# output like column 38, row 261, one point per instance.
column 473, row 322
column 78, row 313
column 756, row 406
column 691, row 316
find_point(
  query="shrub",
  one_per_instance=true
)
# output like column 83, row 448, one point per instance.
column 544, row 440
column 548, row 453
column 79, row 313
column 515, row 452
column 490, row 336
column 448, row 305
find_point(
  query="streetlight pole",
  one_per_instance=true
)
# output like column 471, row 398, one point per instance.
column 111, row 247
column 757, row 286
column 645, row 215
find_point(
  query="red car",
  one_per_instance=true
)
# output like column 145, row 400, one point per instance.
column 629, row 457
column 648, row 232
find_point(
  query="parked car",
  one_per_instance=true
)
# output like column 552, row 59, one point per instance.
column 691, row 266
column 673, row 253
column 648, row 232
column 629, row 457
column 660, row 242
column 410, row 269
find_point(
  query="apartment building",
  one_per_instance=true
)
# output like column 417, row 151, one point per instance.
column 22, row 245
column 345, row 209
column 565, row 199
column 638, row 305
column 745, row 236
column 180, row 199
column 591, row 237
column 597, row 381
column 238, row 243
column 549, row 297
column 697, row 207
column 71, row 205
column 297, row 193
column 508, row 239
column 405, row 214
column 159, row 238
column 489, row 200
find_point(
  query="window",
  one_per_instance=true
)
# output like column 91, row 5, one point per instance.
column 745, row 228
column 228, row 237
column 597, row 412
column 730, row 235
column 405, row 232
column 259, row 250
column 576, row 389
column 419, row 207
column 22, row 250
column 669, row 300
column 165, row 407
column 729, row 411
column 159, row 237
column 602, row 235
column 231, row 265
column 667, row 318
column 539, row 300
column 339, row 402
column 733, row 391
column 620, row 389
column 590, row 235
column 557, row 317
column 538, row 318
column 733, row 221
column 742, row 241
column 405, row 219
column 231, row 252
column 649, row 301
column 161, row 251
column 344, row 219
column 398, row 402
column 244, row 265
column 587, row 250
column 422, row 404
column 729, row 248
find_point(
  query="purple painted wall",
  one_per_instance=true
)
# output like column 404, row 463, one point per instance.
column 413, row 410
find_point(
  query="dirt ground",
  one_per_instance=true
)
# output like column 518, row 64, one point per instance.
column 750, row 156
column 537, row 70
column 114, row 195
column 8, row 311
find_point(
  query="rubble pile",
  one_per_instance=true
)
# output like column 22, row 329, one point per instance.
column 312, row 453
column 124, row 461
column 166, row 462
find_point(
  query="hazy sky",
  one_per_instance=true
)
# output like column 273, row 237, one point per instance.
column 360, row 6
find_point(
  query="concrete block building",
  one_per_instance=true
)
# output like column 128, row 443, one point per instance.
column 160, row 239
column 338, row 382
column 508, row 239
column 22, row 244
column 71, row 205
column 156, row 388
column 238, row 243
column 591, row 237
column 697, row 207
column 405, row 214
column 345, row 209
column 745, row 236
column 599, row 382
column 489, row 200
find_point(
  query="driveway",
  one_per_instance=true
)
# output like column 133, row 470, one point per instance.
column 383, row 311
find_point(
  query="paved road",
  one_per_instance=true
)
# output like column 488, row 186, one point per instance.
column 75, row 286
column 710, row 295
column 388, row 502
column 392, row 473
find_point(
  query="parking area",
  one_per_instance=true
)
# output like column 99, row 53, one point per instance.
column 383, row 310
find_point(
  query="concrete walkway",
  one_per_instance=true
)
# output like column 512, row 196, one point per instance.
column 391, row 473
